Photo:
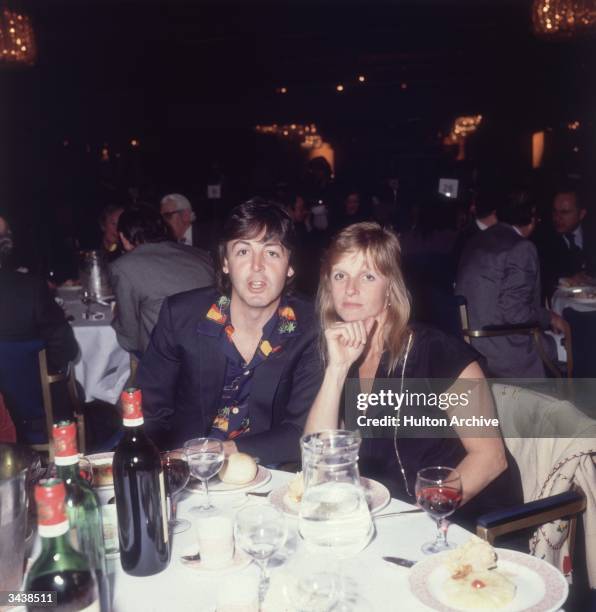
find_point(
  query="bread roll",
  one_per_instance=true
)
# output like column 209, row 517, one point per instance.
column 238, row 469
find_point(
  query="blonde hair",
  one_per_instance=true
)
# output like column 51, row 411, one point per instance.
column 381, row 248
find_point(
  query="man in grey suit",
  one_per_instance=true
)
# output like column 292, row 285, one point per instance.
column 153, row 268
column 499, row 275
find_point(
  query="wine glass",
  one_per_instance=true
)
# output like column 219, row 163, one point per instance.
column 438, row 493
column 205, row 458
column 311, row 584
column 177, row 472
column 260, row 531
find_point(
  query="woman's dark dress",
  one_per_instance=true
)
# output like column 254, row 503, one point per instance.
column 434, row 355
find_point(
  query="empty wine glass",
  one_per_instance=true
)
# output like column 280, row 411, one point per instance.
column 260, row 531
column 311, row 583
column 438, row 493
column 205, row 458
column 175, row 466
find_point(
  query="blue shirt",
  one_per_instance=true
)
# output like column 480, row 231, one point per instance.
column 233, row 418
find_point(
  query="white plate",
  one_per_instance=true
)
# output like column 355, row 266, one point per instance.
column 540, row 586
column 377, row 495
column 217, row 487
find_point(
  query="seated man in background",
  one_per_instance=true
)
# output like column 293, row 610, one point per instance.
column 152, row 269
column 27, row 314
column 566, row 250
column 499, row 275
column 108, row 223
column 240, row 362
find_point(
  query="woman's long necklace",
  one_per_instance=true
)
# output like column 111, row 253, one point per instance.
column 403, row 370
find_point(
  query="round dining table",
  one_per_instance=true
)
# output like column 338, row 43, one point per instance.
column 102, row 367
column 383, row 586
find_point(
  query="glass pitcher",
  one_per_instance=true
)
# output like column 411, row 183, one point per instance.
column 334, row 516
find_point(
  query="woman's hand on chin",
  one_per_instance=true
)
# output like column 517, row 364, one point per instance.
column 346, row 341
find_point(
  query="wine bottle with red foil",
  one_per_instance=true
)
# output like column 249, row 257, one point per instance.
column 140, row 495
column 60, row 567
column 82, row 506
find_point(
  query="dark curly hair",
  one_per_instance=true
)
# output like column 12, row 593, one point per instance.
column 247, row 220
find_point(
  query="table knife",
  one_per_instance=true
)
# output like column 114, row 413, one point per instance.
column 400, row 561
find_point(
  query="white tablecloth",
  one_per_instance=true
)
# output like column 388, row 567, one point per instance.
column 562, row 298
column 383, row 585
column 103, row 367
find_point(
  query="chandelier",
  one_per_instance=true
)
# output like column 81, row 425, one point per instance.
column 563, row 18
column 17, row 43
column 306, row 135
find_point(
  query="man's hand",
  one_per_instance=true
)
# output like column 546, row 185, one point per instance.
column 230, row 447
column 559, row 324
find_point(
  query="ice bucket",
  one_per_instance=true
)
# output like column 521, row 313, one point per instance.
column 18, row 464
column 94, row 275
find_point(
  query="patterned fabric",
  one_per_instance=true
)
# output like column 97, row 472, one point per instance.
column 233, row 418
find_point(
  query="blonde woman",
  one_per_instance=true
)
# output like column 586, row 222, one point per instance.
column 364, row 311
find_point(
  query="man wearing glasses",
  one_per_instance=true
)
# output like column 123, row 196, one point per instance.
column 178, row 214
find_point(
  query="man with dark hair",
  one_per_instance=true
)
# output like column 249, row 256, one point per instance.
column 499, row 275
column 565, row 249
column 153, row 268
column 239, row 362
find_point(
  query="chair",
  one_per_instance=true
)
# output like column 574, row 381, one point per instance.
column 554, row 445
column 525, row 329
column 26, row 385
column 47, row 380
column 583, row 341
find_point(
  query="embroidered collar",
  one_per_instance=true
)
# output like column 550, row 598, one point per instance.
column 218, row 320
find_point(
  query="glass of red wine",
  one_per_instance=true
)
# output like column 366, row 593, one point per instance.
column 177, row 473
column 438, row 493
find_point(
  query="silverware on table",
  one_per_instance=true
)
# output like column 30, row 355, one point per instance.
column 400, row 561
column 259, row 493
column 400, row 512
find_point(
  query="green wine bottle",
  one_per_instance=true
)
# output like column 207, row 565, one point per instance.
column 59, row 567
column 82, row 507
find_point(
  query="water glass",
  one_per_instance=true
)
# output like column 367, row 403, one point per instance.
column 260, row 531
column 205, row 458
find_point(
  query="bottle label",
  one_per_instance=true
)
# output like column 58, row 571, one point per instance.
column 51, row 511
column 132, row 422
column 71, row 460
column 132, row 414
column 65, row 443
column 52, row 531
column 164, row 512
